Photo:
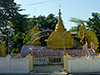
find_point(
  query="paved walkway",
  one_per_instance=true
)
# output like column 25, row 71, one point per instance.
column 53, row 74
column 85, row 74
column 48, row 69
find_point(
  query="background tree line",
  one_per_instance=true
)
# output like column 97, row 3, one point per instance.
column 16, row 25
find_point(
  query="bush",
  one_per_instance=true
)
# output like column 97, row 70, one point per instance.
column 15, row 50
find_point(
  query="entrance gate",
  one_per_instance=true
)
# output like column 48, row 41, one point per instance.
column 46, row 59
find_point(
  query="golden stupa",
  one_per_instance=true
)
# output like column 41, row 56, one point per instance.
column 60, row 38
column 91, row 37
column 33, row 31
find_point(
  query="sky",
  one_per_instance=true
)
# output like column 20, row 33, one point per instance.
column 81, row 9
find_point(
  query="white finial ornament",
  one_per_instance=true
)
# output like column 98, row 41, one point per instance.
column 59, row 5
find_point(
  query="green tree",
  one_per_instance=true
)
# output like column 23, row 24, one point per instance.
column 11, row 22
column 78, row 23
column 94, row 24
column 18, row 23
column 52, row 21
column 77, row 20
column 31, row 22
column 44, row 22
column 74, row 28
column 18, row 42
column 8, row 9
column 9, row 16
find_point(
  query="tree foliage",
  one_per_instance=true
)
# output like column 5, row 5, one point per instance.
column 94, row 24
column 44, row 22
column 8, row 9
column 78, row 23
column 75, row 28
column 9, row 16
column 11, row 22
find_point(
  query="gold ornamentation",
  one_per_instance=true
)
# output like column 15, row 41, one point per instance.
column 3, row 49
column 65, row 71
column 90, row 36
column 31, row 70
column 64, row 52
column 31, row 53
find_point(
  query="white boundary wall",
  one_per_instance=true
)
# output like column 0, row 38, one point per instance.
column 14, row 65
column 84, row 65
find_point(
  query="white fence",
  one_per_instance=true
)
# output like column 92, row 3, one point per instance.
column 14, row 65
column 84, row 65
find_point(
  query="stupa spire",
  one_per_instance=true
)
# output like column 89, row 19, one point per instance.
column 59, row 20
column 82, row 24
column 60, row 34
column 59, row 27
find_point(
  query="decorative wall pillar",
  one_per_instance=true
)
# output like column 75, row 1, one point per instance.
column 65, row 62
column 31, row 68
column 3, row 49
column 30, row 57
column 66, row 57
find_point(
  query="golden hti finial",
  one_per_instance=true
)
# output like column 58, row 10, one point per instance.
column 59, row 20
column 82, row 23
column 59, row 12
column 59, row 6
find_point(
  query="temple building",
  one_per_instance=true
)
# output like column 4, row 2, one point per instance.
column 58, row 41
column 60, row 37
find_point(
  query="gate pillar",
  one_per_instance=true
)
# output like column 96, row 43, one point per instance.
column 31, row 53
column 66, row 57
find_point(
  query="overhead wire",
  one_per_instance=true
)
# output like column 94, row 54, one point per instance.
column 42, row 2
